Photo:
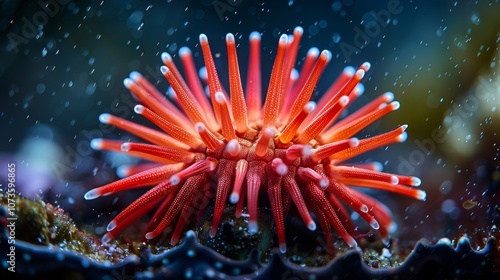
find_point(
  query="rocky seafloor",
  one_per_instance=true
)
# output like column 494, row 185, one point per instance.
column 48, row 244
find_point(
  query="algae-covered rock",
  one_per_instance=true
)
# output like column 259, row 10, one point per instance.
column 49, row 244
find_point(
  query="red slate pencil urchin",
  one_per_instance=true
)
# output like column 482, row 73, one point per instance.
column 290, row 147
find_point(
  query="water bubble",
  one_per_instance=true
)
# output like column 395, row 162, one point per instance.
column 313, row 29
column 336, row 38
column 40, row 88
column 475, row 19
column 90, row 89
column 135, row 19
column 336, row 6
column 448, row 206
column 446, row 187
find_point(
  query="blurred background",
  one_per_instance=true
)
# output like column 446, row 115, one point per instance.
column 62, row 64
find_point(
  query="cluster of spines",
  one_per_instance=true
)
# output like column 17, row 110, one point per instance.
column 289, row 144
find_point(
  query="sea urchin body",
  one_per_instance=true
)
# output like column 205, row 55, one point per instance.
column 234, row 147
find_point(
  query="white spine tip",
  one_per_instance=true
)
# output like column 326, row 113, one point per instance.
column 281, row 169
column 230, row 38
column 298, row 30
column 122, row 171
column 104, row 118
column 283, row 39
column 314, row 52
column 402, row 137
column 233, row 147
column 174, row 180
column 359, row 89
column 311, row 226
column 366, row 66
column 294, row 74
column 307, row 150
column 282, row 248
column 92, row 194
column 377, row 166
column 421, row 195
column 219, row 97
column 324, row 183
column 200, row 127
column 395, row 105
column 310, row 106
column 374, row 224
column 134, row 75
column 404, row 126
column 415, row 181
column 394, row 180
column 164, row 69
column 353, row 142
column 389, row 96
column 270, row 132
column 360, row 74
column 139, row 109
column 383, row 105
column 111, row 226
column 171, row 93
column 127, row 82
column 252, row 227
column 125, row 147
column 234, row 198
column 254, row 36
column 165, row 57
column 203, row 38
column 149, row 235
column 351, row 242
column 203, row 73
column 184, row 51
column 349, row 71
column 363, row 208
column 106, row 238
column 343, row 101
column 326, row 55
column 96, row 144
